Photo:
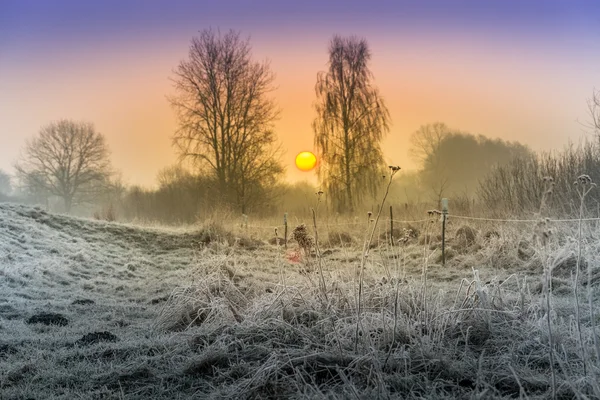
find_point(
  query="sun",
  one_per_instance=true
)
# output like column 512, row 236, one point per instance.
column 306, row 161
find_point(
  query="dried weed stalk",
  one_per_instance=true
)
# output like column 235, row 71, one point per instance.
column 365, row 253
column 583, row 186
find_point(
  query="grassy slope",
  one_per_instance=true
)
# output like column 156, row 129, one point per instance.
column 193, row 319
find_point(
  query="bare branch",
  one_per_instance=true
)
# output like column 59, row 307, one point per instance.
column 225, row 115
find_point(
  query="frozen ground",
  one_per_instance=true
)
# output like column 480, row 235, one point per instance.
column 94, row 310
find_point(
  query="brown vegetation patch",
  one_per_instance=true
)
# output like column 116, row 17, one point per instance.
column 96, row 337
column 127, row 380
column 473, row 331
column 48, row 319
column 568, row 266
column 525, row 251
column 208, row 362
column 83, row 302
column 248, row 243
column 465, row 236
column 299, row 316
column 305, row 240
column 491, row 235
column 430, row 239
column 7, row 349
column 449, row 254
column 277, row 241
column 404, row 232
column 158, row 300
column 18, row 374
column 336, row 238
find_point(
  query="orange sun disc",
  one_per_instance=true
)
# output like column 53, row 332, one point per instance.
column 306, row 161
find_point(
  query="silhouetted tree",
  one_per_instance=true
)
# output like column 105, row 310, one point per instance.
column 66, row 159
column 425, row 142
column 460, row 161
column 425, row 146
column 351, row 121
column 226, row 117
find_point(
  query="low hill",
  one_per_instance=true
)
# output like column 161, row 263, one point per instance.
column 67, row 281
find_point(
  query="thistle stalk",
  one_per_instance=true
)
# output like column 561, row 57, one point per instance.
column 365, row 253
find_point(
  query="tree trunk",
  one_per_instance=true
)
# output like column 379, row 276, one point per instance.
column 350, row 205
column 348, row 183
column 68, row 203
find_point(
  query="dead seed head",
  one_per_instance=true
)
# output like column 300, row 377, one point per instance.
column 584, row 180
column 408, row 233
column 300, row 234
column 543, row 222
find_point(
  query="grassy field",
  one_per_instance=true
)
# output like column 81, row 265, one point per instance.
column 96, row 310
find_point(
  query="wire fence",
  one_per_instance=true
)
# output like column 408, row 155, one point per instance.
column 387, row 222
column 393, row 230
column 523, row 220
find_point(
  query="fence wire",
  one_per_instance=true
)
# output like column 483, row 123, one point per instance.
column 387, row 221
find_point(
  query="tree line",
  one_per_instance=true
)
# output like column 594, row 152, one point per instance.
column 229, row 155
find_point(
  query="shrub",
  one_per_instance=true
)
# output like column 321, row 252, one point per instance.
column 465, row 235
column 340, row 238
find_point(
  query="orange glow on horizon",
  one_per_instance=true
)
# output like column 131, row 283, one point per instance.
column 504, row 91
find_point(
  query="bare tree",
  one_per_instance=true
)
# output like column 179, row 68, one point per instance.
column 351, row 121
column 226, row 116
column 456, row 165
column 67, row 159
column 425, row 145
column 172, row 176
column 426, row 141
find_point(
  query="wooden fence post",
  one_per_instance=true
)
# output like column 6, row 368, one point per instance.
column 285, row 230
column 391, row 225
column 444, row 214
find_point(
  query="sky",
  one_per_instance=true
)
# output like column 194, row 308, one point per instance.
column 520, row 70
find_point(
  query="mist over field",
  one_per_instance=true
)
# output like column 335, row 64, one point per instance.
column 437, row 238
